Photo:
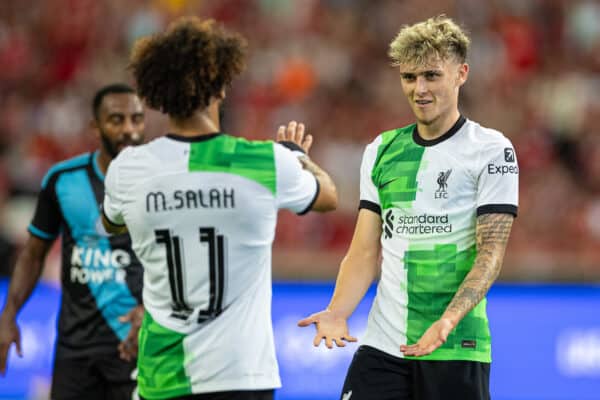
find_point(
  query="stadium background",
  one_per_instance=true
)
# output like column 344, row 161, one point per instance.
column 535, row 68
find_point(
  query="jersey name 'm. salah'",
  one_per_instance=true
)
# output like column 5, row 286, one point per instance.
column 158, row 201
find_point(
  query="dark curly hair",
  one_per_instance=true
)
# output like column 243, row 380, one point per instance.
column 178, row 71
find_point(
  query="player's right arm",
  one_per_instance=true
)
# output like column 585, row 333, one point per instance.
column 359, row 267
column 44, row 228
column 24, row 278
column 327, row 198
column 357, row 271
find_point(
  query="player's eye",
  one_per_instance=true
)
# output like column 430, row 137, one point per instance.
column 115, row 119
column 408, row 77
column 432, row 75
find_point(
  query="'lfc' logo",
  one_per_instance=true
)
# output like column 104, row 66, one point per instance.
column 442, row 181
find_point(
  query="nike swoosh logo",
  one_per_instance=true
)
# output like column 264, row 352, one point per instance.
column 347, row 395
column 384, row 184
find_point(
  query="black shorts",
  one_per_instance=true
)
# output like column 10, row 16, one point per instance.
column 92, row 378
column 375, row 375
column 238, row 395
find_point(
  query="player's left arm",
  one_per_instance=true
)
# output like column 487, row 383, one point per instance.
column 293, row 135
column 493, row 231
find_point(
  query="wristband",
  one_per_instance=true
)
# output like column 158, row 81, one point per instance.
column 294, row 147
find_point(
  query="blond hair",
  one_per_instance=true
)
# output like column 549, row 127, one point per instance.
column 437, row 38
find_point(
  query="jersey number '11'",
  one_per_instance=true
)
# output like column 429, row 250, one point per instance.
column 216, row 264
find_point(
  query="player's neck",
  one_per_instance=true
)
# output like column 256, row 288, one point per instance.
column 438, row 127
column 202, row 122
column 103, row 160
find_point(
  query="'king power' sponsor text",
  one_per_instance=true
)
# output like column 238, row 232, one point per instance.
column 98, row 265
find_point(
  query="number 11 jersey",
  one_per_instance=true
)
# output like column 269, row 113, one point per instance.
column 201, row 213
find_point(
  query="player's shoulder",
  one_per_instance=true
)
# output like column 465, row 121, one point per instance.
column 248, row 145
column 484, row 136
column 132, row 155
column 74, row 163
column 260, row 152
column 387, row 137
column 391, row 135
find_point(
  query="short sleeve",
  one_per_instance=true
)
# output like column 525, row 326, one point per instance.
column 297, row 189
column 47, row 218
column 112, row 205
column 498, row 185
column 369, row 195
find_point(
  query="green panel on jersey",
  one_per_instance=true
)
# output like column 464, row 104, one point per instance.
column 434, row 277
column 161, row 362
column 254, row 160
column 395, row 169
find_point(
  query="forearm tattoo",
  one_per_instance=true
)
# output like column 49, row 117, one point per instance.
column 314, row 169
column 493, row 231
column 310, row 166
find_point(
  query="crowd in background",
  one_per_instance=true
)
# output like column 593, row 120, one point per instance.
column 535, row 76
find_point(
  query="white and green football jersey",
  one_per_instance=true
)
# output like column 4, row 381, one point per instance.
column 201, row 213
column 429, row 194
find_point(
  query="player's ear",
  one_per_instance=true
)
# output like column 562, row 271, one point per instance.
column 463, row 73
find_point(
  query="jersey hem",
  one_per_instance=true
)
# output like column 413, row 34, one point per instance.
column 445, row 355
column 163, row 394
column 437, row 355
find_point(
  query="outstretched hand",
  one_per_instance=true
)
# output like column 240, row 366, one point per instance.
column 294, row 132
column 9, row 334
column 434, row 337
column 331, row 327
column 128, row 348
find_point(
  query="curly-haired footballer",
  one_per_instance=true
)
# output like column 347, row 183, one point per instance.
column 201, row 207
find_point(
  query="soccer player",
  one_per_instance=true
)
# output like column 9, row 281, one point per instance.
column 437, row 199
column 101, row 277
column 201, row 207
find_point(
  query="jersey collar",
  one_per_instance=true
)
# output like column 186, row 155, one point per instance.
column 426, row 143
column 96, row 166
column 199, row 138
